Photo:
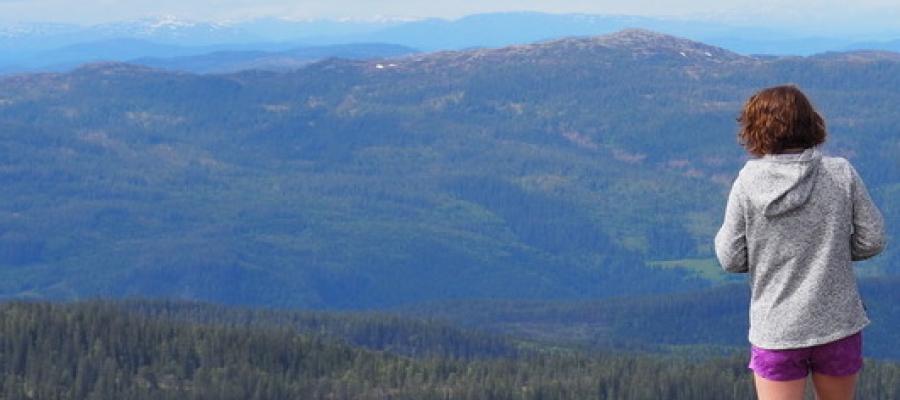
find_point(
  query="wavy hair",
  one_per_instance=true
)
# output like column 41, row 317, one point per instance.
column 779, row 118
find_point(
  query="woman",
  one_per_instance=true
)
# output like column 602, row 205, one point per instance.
column 794, row 221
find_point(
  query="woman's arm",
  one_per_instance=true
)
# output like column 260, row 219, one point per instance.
column 867, row 238
column 731, row 240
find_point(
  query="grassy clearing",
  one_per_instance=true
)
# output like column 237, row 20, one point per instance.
column 706, row 268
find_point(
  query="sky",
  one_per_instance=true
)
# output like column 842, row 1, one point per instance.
column 816, row 15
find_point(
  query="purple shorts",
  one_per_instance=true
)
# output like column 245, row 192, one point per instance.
column 838, row 358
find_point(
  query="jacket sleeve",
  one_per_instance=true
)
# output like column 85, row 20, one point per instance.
column 731, row 240
column 867, row 237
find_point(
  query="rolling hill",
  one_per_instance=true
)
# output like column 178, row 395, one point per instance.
column 565, row 169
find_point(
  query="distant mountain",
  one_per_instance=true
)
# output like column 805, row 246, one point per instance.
column 166, row 30
column 233, row 61
column 503, row 29
column 169, row 30
column 36, row 46
column 201, row 59
column 577, row 168
column 889, row 45
column 315, row 31
column 766, row 42
column 71, row 56
column 61, row 47
column 858, row 56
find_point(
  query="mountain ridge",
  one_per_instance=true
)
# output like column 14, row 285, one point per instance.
column 640, row 43
column 28, row 44
column 568, row 173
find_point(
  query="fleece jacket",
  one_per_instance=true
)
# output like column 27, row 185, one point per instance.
column 795, row 223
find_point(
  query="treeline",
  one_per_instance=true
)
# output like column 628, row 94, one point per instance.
column 101, row 350
column 657, row 323
column 404, row 335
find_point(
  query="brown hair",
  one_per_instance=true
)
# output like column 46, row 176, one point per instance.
column 779, row 118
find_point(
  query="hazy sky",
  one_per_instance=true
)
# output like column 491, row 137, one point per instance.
column 813, row 14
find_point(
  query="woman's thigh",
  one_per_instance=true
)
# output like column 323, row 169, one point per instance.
column 768, row 389
column 834, row 387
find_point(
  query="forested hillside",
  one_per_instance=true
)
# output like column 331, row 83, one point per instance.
column 101, row 351
column 708, row 321
column 417, row 336
column 572, row 169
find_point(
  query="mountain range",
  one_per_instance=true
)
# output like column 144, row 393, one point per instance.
column 578, row 168
column 60, row 47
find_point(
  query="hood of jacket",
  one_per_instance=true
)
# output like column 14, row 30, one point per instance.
column 780, row 183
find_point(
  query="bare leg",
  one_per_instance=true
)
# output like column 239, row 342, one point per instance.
column 767, row 389
column 834, row 387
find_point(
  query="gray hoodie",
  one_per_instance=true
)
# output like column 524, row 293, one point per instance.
column 794, row 222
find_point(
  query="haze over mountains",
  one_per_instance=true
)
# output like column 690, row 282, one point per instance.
column 58, row 47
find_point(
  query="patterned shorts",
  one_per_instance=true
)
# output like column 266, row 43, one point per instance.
column 838, row 358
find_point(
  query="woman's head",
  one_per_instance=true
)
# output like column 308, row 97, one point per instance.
column 779, row 118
